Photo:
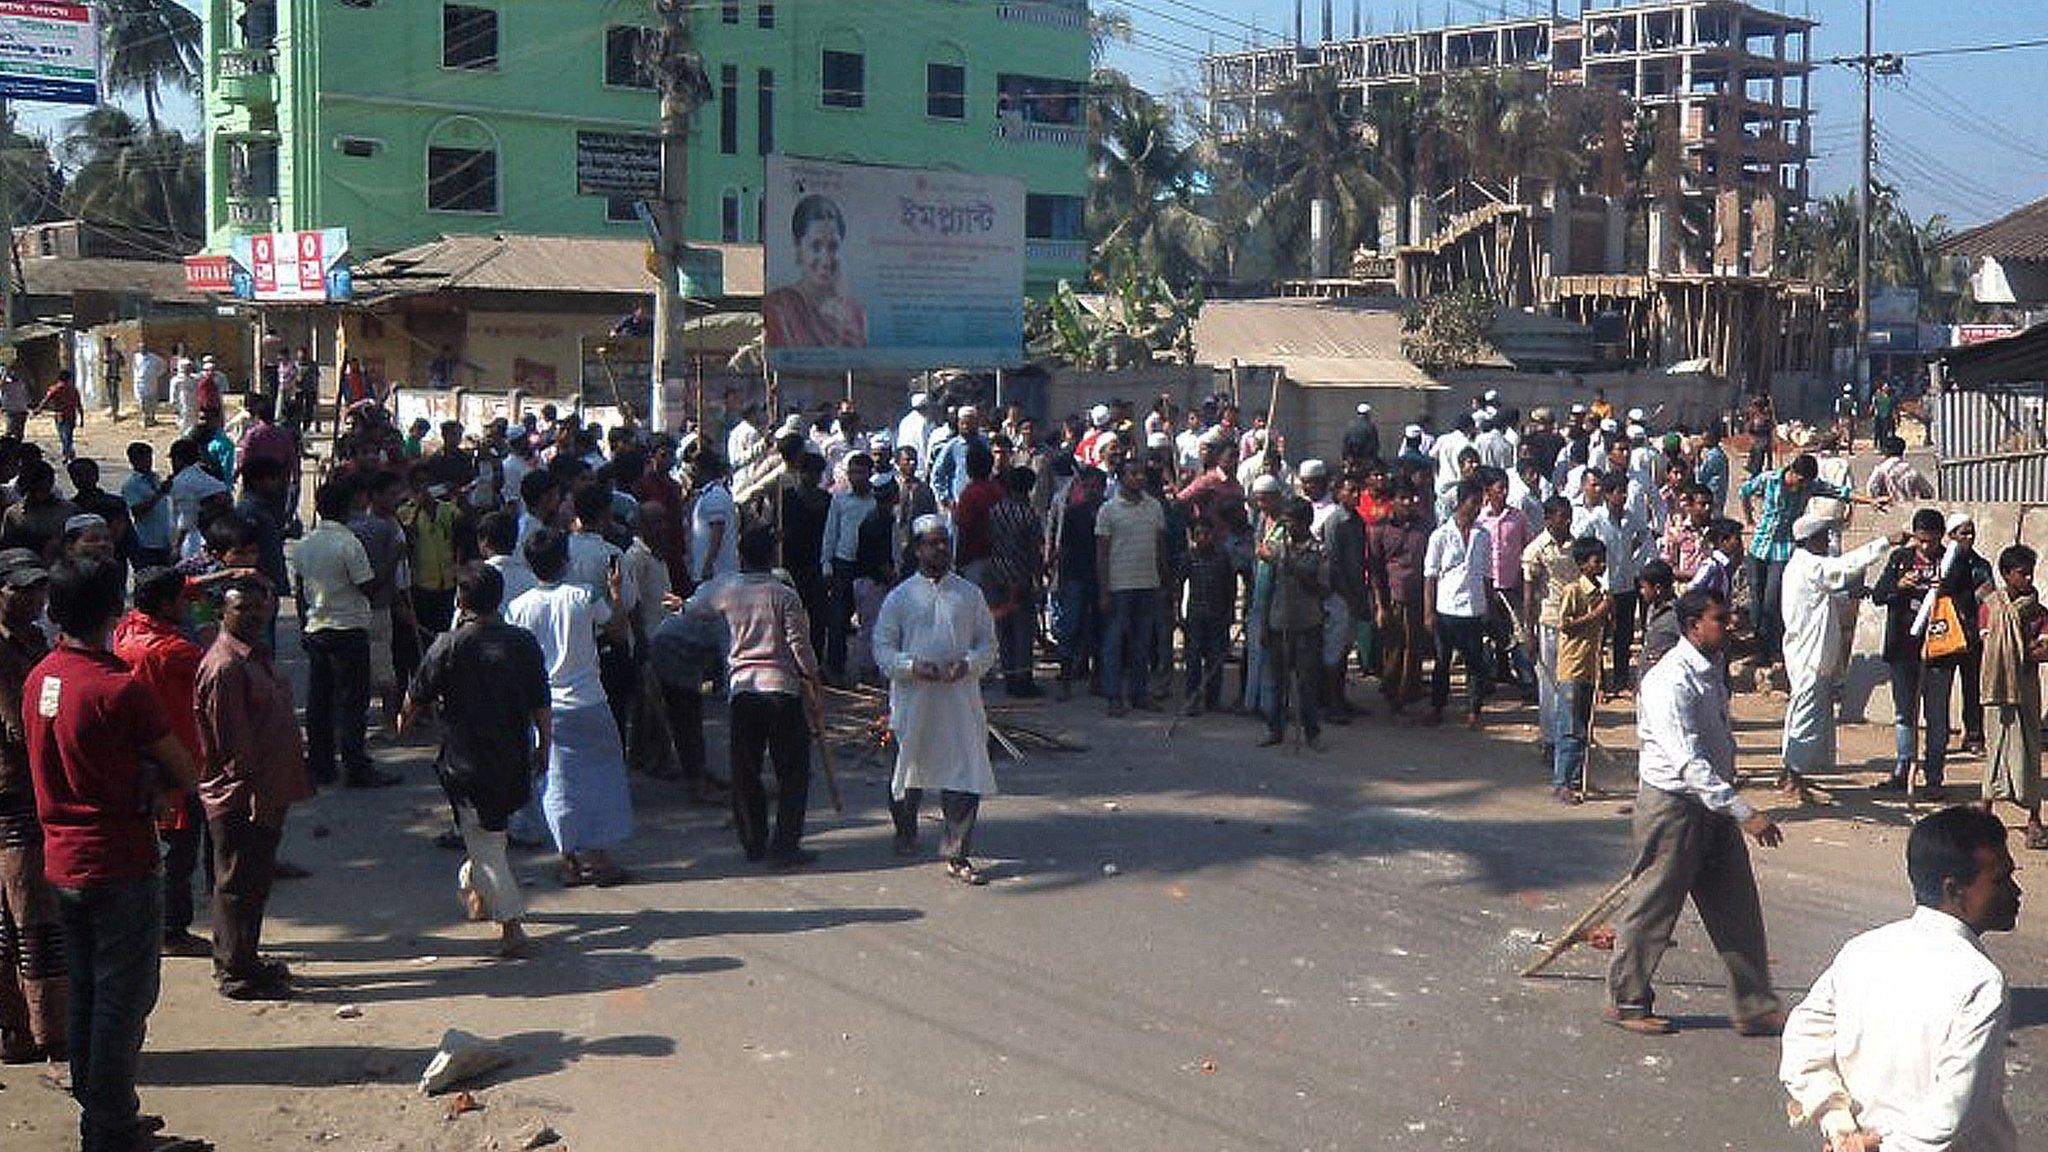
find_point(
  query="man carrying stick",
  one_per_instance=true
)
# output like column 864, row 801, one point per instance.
column 1689, row 821
column 769, row 663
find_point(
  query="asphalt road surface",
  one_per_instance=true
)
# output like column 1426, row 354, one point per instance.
column 1188, row 943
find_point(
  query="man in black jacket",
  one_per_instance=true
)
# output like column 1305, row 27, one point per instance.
column 489, row 682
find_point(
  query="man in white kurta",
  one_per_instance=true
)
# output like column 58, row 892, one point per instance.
column 1817, row 597
column 1900, row 1046
column 935, row 640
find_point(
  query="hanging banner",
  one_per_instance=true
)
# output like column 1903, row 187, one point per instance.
column 896, row 268
column 295, row 267
column 49, row 52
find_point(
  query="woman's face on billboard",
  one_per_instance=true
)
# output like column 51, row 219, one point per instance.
column 817, row 255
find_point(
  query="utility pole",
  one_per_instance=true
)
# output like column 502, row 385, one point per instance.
column 1868, row 65
column 684, row 88
column 6, row 257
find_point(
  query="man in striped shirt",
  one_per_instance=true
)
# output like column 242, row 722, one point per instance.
column 1783, row 495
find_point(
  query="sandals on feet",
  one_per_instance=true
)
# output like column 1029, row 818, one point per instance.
column 965, row 872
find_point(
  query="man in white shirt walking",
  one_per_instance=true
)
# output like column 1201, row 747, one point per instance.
column 1689, row 821
column 1900, row 1044
column 1456, row 595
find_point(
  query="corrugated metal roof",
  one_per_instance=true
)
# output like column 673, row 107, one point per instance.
column 1319, row 342
column 2021, row 235
column 159, row 280
column 525, row 263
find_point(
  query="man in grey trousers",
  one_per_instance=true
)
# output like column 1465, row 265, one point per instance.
column 1690, row 821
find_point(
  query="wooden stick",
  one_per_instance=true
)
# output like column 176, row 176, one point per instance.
column 1581, row 927
column 814, row 712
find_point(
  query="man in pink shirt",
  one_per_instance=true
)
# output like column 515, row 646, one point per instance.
column 1508, row 528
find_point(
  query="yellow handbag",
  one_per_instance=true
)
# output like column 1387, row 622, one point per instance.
column 1945, row 636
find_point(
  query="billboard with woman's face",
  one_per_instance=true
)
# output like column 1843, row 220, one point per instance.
column 872, row 267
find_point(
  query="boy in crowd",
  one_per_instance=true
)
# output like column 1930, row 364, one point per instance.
column 1585, row 611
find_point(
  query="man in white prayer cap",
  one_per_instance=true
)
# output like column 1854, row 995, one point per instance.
column 1362, row 439
column 915, row 428
column 935, row 639
column 1818, row 594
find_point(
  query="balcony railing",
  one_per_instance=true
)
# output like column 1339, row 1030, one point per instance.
column 1038, row 251
column 1050, row 13
column 234, row 63
column 1012, row 128
column 246, row 76
column 253, row 213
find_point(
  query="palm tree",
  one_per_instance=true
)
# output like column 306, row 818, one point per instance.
column 152, row 46
column 1406, row 130
column 1316, row 158
column 1144, row 186
column 125, row 178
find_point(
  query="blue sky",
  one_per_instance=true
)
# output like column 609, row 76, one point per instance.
column 1963, row 135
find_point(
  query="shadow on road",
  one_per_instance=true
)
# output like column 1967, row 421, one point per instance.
column 329, row 1065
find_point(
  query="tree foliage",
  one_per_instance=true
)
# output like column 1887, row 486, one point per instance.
column 151, row 47
column 1447, row 331
column 1141, row 320
column 1820, row 244
column 122, row 176
column 1145, row 188
column 35, row 184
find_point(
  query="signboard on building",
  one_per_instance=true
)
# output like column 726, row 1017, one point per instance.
column 291, row 267
column 618, row 164
column 1968, row 334
column 891, row 268
column 209, row 274
column 49, row 51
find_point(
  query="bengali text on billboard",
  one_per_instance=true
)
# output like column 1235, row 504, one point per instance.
column 292, row 267
column 899, row 268
column 49, row 52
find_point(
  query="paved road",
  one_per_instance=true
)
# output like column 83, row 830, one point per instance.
column 1296, row 951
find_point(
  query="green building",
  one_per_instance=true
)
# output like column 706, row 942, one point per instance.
column 404, row 120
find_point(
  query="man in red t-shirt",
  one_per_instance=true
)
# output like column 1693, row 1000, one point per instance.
column 151, row 641
column 62, row 401
column 103, row 758
column 972, row 540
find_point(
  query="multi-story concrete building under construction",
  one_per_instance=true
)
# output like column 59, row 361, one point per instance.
column 1730, row 79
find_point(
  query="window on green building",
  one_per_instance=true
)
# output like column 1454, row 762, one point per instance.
column 729, row 217
column 729, row 12
column 764, row 14
column 1052, row 217
column 462, row 180
column 469, row 37
column 764, row 111
column 629, row 57
column 844, row 80
column 728, row 110
column 945, row 91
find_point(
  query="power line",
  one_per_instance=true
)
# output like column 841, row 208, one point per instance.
column 1215, row 15
column 1930, row 53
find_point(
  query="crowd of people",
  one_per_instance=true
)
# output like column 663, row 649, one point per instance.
column 560, row 597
